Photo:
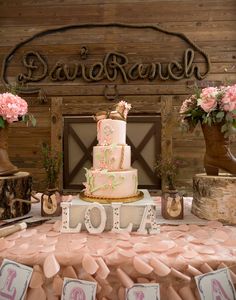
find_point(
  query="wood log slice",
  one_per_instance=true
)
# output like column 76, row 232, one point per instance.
column 14, row 190
column 214, row 197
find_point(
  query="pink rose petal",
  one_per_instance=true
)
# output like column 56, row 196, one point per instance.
column 183, row 227
column 124, row 278
column 175, row 250
column 103, row 270
column 193, row 271
column 69, row 272
column 89, row 264
column 140, row 247
column 29, row 233
column 163, row 246
column 200, row 234
column 126, row 253
column 51, row 266
column 141, row 266
column 205, row 268
column 175, row 234
column 36, row 294
column 159, row 267
column 53, row 233
column 180, row 275
column 220, row 236
column 189, row 254
column 37, row 278
column 47, row 249
column 214, row 224
column 172, row 294
column 186, row 293
column 205, row 250
column 57, row 285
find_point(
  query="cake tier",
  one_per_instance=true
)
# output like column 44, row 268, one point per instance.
column 111, row 132
column 107, row 184
column 112, row 158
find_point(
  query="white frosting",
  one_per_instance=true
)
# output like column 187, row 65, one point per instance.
column 119, row 184
column 112, row 158
column 111, row 132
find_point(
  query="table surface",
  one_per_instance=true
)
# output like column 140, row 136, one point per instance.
column 117, row 260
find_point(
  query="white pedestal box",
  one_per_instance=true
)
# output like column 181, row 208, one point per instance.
column 78, row 211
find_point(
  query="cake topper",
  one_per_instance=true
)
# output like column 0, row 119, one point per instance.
column 120, row 113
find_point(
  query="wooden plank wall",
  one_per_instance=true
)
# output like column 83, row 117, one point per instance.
column 209, row 23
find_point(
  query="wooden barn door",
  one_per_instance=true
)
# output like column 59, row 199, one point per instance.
column 143, row 135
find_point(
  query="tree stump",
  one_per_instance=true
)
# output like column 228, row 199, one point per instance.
column 15, row 195
column 214, row 197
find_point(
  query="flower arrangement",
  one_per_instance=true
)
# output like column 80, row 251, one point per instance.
column 211, row 105
column 168, row 169
column 52, row 161
column 13, row 108
column 123, row 108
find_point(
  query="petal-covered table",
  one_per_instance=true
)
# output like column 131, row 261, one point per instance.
column 116, row 261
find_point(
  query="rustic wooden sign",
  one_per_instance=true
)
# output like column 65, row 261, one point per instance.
column 111, row 67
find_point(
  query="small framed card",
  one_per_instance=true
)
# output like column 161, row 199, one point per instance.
column 143, row 292
column 14, row 280
column 216, row 285
column 78, row 289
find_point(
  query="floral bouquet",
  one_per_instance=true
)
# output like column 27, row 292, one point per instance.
column 209, row 106
column 13, row 108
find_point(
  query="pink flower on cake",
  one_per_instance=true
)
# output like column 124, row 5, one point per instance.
column 207, row 99
column 123, row 108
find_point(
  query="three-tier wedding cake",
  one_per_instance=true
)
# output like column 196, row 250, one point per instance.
column 111, row 177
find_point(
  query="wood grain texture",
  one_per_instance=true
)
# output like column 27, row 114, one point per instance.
column 214, row 197
column 14, row 190
column 210, row 24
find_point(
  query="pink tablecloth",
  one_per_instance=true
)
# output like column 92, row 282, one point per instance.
column 116, row 261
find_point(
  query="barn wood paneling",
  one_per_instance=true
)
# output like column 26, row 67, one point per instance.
column 210, row 24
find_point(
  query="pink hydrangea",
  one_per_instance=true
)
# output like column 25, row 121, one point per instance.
column 228, row 100
column 208, row 99
column 12, row 107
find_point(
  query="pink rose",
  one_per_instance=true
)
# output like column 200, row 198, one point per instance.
column 228, row 101
column 208, row 99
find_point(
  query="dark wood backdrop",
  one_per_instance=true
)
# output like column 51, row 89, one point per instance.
column 210, row 24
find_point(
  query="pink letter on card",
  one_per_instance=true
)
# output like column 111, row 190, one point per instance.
column 14, row 280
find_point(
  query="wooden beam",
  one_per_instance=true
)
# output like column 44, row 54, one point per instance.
column 57, row 130
column 166, row 130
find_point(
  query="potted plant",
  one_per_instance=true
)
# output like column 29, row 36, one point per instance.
column 215, row 109
column 50, row 200
column 171, row 201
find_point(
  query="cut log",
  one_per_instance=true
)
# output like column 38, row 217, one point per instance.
column 15, row 195
column 214, row 197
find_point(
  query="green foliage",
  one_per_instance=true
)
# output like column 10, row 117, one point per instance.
column 2, row 122
column 168, row 169
column 29, row 118
column 52, row 162
column 209, row 106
